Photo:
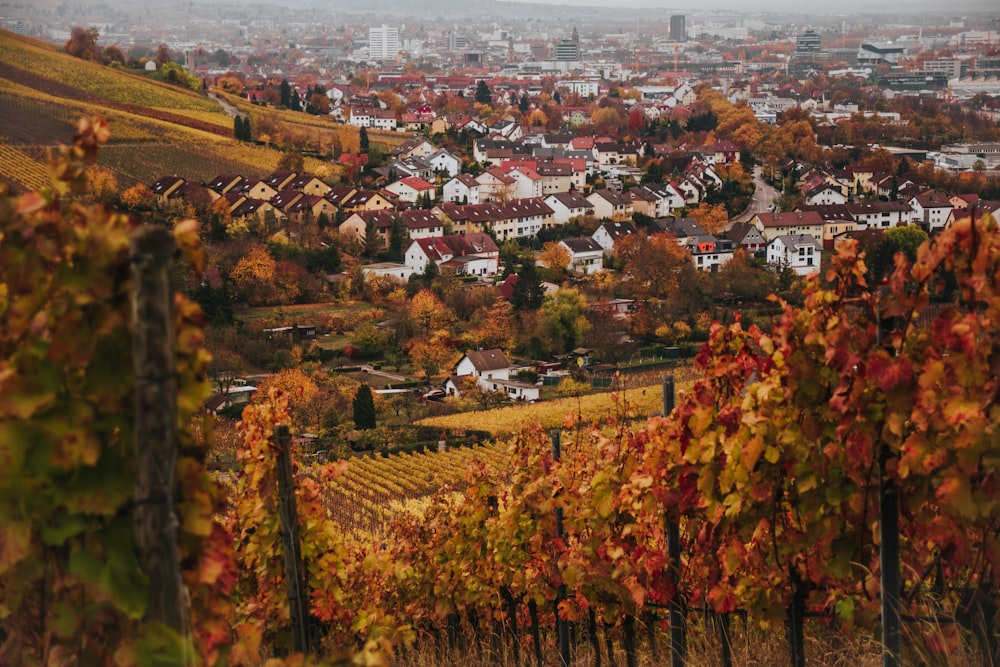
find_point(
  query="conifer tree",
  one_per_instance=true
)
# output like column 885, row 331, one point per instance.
column 364, row 408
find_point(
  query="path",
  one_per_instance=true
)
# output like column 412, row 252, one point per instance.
column 226, row 106
column 368, row 368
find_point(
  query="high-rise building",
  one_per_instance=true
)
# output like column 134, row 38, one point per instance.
column 807, row 42
column 383, row 43
column 677, row 32
column 568, row 49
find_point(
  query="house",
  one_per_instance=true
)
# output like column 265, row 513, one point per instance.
column 880, row 214
column 586, row 256
column 223, row 183
column 931, row 210
column 366, row 200
column 464, row 254
column 562, row 175
column 384, row 270
column 280, row 179
column 527, row 182
column 709, row 252
column 311, row 207
column 284, row 199
column 568, row 205
column 462, row 189
column 412, row 189
column 256, row 188
column 679, row 228
column 408, row 167
column 443, row 161
column 799, row 252
column 484, row 365
column 837, row 219
column 747, row 237
column 413, row 148
column 611, row 204
column 164, row 187
column 383, row 119
column 494, row 185
column 609, row 232
column 520, row 218
column 309, row 185
column 772, row 225
column 825, row 194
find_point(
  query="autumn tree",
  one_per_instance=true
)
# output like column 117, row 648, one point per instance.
column 253, row 276
column 654, row 265
column 555, row 256
column 713, row 218
column 428, row 313
column 137, row 198
column 82, row 43
column 492, row 327
column 433, row 355
column 163, row 55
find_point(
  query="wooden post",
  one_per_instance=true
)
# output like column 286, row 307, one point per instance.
column 889, row 566
column 562, row 626
column 290, row 541
column 677, row 625
column 156, row 385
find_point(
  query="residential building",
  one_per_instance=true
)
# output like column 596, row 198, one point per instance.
column 772, row 225
column 611, row 204
column 586, row 256
column 798, row 252
column 567, row 205
column 931, row 210
column 462, row 189
column 609, row 232
column 462, row 254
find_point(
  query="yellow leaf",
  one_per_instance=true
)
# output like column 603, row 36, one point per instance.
column 771, row 454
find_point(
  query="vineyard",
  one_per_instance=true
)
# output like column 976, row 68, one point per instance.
column 635, row 397
column 837, row 477
column 365, row 499
column 48, row 70
column 141, row 149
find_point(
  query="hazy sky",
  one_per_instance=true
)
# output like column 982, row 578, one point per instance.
column 898, row 7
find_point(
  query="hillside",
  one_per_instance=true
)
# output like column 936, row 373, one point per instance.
column 156, row 128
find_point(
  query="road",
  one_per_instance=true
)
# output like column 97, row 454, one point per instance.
column 763, row 198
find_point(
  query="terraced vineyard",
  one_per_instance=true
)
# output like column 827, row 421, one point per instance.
column 375, row 489
column 19, row 167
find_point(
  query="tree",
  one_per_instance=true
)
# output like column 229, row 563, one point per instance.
column 137, row 198
column 285, row 94
column 82, row 43
column 365, row 145
column 483, row 95
column 364, row 408
column 555, row 256
column 433, row 354
column 292, row 161
column 528, row 292
column 524, row 104
column 563, row 319
column 253, row 276
column 653, row 266
column 428, row 313
column 163, row 55
column 114, row 55
column 712, row 217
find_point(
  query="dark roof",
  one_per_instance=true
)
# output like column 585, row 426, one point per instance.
column 582, row 244
column 488, row 360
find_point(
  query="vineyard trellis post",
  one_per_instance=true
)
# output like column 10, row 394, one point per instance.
column 562, row 625
column 156, row 387
column 288, row 514
column 889, row 567
column 677, row 629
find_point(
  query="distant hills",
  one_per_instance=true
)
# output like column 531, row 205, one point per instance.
column 157, row 128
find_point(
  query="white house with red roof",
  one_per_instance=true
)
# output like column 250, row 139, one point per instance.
column 473, row 254
column 412, row 189
column 773, row 225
